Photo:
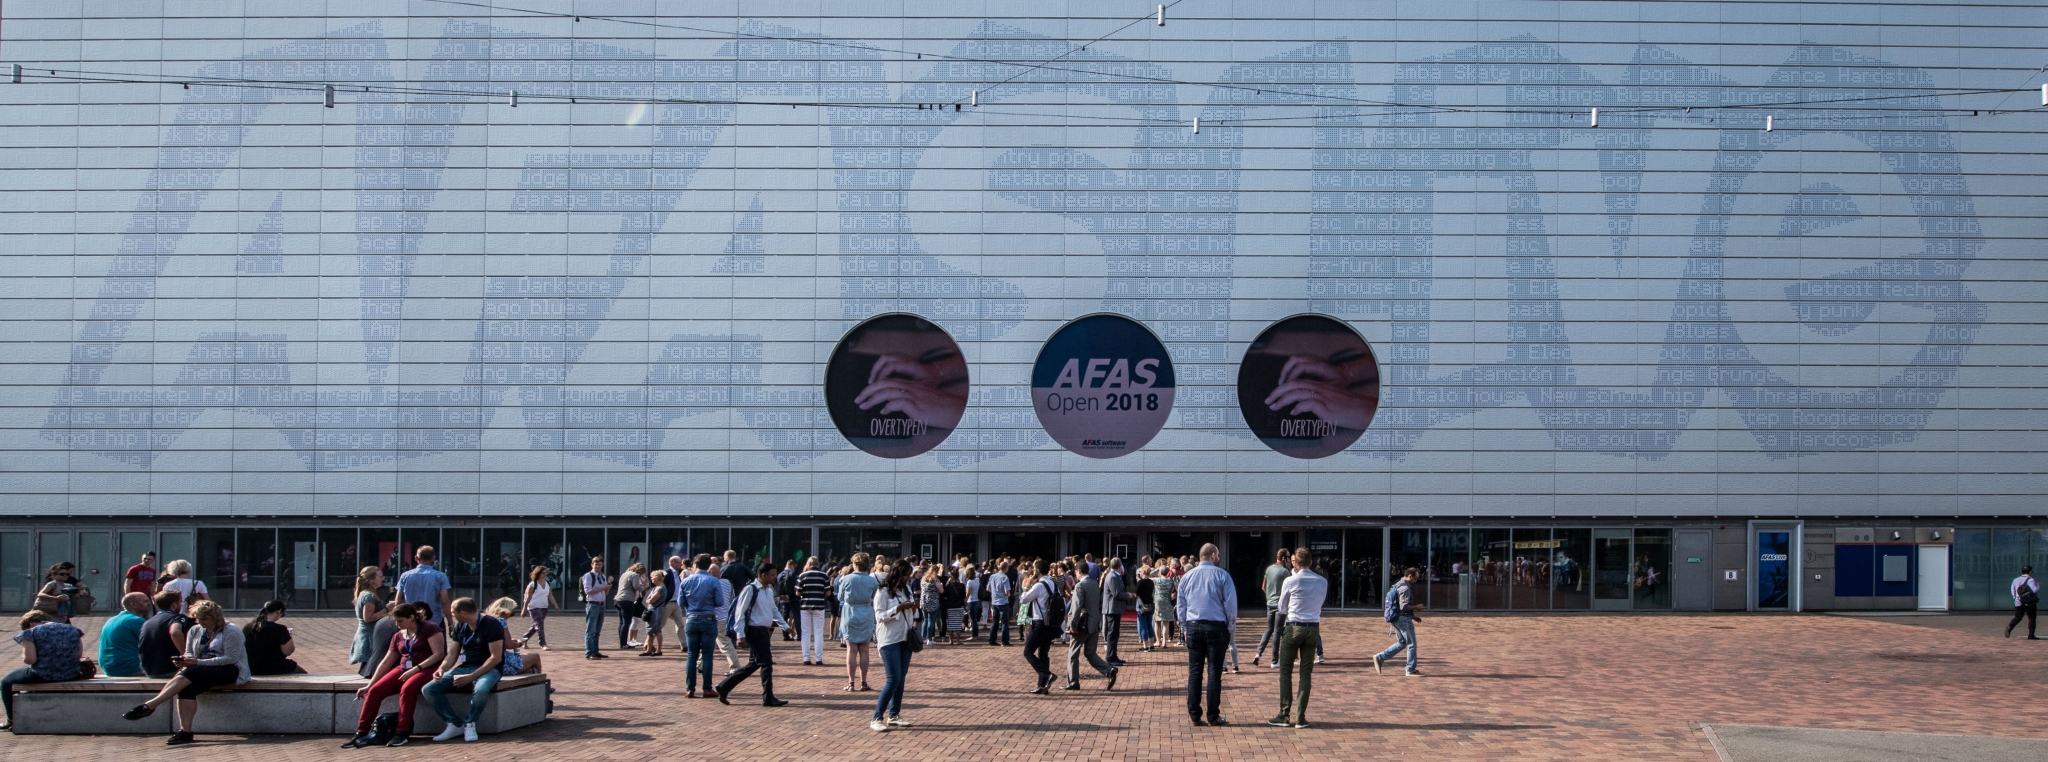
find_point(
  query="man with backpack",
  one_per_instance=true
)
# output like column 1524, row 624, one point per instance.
column 2026, row 596
column 1399, row 610
column 1045, row 608
column 785, row 595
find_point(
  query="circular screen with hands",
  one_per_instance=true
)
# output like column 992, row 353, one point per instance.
column 896, row 386
column 1308, row 386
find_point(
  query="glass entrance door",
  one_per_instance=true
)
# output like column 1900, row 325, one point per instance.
column 1774, row 569
column 1611, row 556
column 96, row 568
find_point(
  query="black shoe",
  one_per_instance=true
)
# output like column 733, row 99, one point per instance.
column 140, row 711
column 774, row 702
column 1217, row 722
column 1071, row 687
column 2030, row 637
column 1112, row 679
column 179, row 738
column 722, row 691
column 1279, row 722
column 1039, row 691
column 599, row 655
column 361, row 740
column 1197, row 720
column 400, row 739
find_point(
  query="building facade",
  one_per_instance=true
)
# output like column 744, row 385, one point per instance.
column 1649, row 305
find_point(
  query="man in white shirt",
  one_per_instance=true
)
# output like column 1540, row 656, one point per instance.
column 1044, row 629
column 1301, row 607
column 1206, row 605
column 2026, row 597
column 758, row 618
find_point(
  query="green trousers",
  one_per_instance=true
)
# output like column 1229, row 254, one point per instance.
column 1297, row 643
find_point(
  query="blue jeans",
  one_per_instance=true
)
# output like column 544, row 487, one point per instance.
column 1001, row 624
column 1145, row 627
column 895, row 667
column 974, row 619
column 1404, row 638
column 480, row 694
column 700, row 641
column 929, row 626
column 593, row 626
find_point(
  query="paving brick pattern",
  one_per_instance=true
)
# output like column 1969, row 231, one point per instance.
column 1499, row 687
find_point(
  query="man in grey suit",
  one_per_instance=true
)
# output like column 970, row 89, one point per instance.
column 1084, row 623
column 1115, row 596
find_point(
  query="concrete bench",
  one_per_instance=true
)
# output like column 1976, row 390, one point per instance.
column 281, row 704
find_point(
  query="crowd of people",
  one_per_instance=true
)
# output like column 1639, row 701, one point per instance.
column 416, row 643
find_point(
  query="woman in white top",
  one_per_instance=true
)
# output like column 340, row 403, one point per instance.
column 178, row 577
column 215, row 657
column 895, row 614
column 540, row 597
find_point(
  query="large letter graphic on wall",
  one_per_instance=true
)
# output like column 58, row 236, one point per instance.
column 1102, row 386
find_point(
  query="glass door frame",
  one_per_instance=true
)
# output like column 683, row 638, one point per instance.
column 1795, row 543
column 1627, row 600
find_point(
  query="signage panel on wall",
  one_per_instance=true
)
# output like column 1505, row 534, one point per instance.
column 1102, row 386
column 1308, row 386
column 896, row 386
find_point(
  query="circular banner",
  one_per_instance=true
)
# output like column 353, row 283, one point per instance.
column 896, row 386
column 1102, row 386
column 1308, row 386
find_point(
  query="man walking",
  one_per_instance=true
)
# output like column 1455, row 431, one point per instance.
column 1401, row 607
column 595, row 585
column 701, row 597
column 756, row 618
column 726, row 591
column 812, row 587
column 1115, row 595
column 425, row 584
column 672, row 590
column 999, row 601
column 2026, row 597
column 1044, row 606
column 1301, row 608
column 1276, row 575
column 1084, row 623
column 1206, row 605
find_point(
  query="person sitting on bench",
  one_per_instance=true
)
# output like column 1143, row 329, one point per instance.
column 471, row 667
column 215, row 657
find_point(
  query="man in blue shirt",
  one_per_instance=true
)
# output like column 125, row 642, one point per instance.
column 121, row 638
column 425, row 584
column 702, row 596
column 1207, row 608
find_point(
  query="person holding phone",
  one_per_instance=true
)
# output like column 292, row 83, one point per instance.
column 215, row 657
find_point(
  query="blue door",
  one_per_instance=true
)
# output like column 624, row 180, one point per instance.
column 1774, row 570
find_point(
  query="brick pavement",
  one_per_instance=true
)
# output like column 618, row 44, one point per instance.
column 1580, row 686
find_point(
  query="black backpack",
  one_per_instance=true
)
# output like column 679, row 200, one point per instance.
column 1055, row 604
column 2027, row 595
column 383, row 728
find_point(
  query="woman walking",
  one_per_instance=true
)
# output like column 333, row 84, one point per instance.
column 856, row 591
column 894, row 615
column 368, row 611
column 540, row 596
column 632, row 588
column 215, row 657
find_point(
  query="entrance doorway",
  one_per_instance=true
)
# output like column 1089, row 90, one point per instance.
column 1934, row 578
column 1774, row 566
column 1176, row 544
column 1611, row 581
column 1246, row 561
column 1023, row 545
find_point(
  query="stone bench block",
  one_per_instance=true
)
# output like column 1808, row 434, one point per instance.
column 294, row 704
column 85, row 713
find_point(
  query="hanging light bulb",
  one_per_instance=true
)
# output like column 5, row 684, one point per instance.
column 1198, row 125
column 1596, row 117
column 328, row 98
column 514, row 100
column 974, row 98
column 1767, row 122
column 1162, row 15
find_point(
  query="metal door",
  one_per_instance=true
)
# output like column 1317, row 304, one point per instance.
column 1934, row 578
column 1612, row 554
column 1692, row 569
column 96, row 570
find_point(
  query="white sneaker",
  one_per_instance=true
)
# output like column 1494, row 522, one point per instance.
column 469, row 733
column 878, row 726
column 898, row 722
column 1319, row 660
column 449, row 733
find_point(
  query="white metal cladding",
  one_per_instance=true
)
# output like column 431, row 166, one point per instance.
column 222, row 299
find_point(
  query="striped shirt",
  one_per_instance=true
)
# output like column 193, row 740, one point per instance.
column 812, row 586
